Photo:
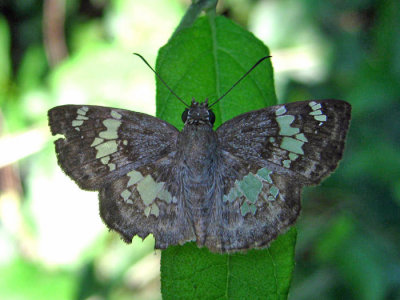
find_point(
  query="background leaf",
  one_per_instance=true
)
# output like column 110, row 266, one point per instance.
column 203, row 62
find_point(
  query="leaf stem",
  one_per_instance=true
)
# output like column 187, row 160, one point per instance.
column 193, row 12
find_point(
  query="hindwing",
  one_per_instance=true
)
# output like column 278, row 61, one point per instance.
column 256, row 205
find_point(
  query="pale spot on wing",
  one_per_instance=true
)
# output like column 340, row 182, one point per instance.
column 104, row 160
column 110, row 146
column 77, row 123
column 301, row 137
column 96, row 142
column 314, row 105
column 165, row 196
column 280, row 111
column 106, row 148
column 246, row 208
column 284, row 125
column 112, row 129
column 155, row 210
column 292, row 156
column 116, row 115
column 81, row 112
column 232, row 195
column 274, row 191
column 322, row 118
column 126, row 194
column 147, row 211
column 286, row 163
column 317, row 113
column 251, row 187
column 264, row 173
column 134, row 177
column 148, row 189
column 292, row 145
column 292, row 140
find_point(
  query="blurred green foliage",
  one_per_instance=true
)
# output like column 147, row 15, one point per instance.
column 52, row 243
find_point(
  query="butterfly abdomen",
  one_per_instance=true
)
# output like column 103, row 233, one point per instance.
column 198, row 157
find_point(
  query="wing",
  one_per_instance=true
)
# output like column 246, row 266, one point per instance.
column 257, row 205
column 147, row 200
column 267, row 157
column 129, row 158
column 302, row 139
column 103, row 143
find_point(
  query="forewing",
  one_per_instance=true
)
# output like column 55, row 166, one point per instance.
column 301, row 139
column 102, row 143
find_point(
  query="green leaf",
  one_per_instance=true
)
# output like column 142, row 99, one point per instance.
column 204, row 61
column 188, row 272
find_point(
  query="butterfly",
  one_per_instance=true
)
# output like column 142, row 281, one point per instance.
column 234, row 188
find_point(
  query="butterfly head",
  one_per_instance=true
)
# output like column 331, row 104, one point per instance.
column 198, row 113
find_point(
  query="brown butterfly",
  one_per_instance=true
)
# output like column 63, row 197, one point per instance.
column 231, row 189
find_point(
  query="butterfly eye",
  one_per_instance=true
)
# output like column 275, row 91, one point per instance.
column 211, row 117
column 185, row 115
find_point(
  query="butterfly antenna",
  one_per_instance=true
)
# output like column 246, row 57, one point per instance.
column 240, row 79
column 162, row 80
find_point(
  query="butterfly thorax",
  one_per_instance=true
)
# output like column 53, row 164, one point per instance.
column 197, row 144
column 198, row 155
